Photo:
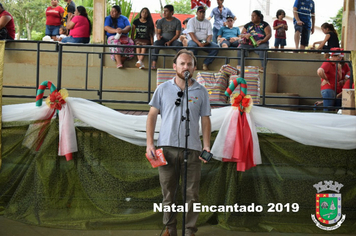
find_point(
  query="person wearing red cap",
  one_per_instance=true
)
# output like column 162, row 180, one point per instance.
column 330, row 75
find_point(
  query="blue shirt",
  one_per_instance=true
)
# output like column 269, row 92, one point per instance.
column 172, row 131
column 228, row 33
column 122, row 22
column 219, row 19
column 305, row 8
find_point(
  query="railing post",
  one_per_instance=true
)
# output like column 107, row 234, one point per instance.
column 149, row 73
column 101, row 77
column 264, row 63
column 38, row 66
column 59, row 71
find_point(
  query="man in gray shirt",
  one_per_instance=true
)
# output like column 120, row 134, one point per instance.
column 169, row 101
column 168, row 32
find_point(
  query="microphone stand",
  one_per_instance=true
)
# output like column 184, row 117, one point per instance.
column 186, row 75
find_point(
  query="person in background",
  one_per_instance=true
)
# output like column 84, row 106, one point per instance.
column 330, row 75
column 303, row 11
column 184, row 37
column 228, row 35
column 63, row 33
column 117, row 28
column 142, row 34
column 54, row 16
column 168, row 100
column 219, row 13
column 68, row 11
column 280, row 26
column 168, row 32
column 260, row 32
column 7, row 24
column 200, row 32
column 331, row 39
column 79, row 26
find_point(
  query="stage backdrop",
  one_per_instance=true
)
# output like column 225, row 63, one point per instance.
column 109, row 184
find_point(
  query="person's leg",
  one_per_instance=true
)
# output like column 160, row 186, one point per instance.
column 225, row 44
column 242, row 46
column 191, row 43
column 169, row 180
column 328, row 93
column 212, row 53
column 176, row 43
column 193, row 182
column 298, row 29
column 160, row 42
column 304, row 42
column 261, row 54
column 215, row 34
column 55, row 32
column 234, row 44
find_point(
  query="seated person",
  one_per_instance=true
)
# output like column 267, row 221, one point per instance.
column 7, row 24
column 200, row 30
column 331, row 39
column 63, row 33
column 117, row 28
column 79, row 26
column 228, row 35
column 260, row 32
column 168, row 32
column 184, row 37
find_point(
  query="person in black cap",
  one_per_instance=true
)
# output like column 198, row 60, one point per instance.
column 228, row 35
column 201, row 33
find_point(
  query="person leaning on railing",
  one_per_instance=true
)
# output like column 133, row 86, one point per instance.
column 117, row 28
column 327, row 73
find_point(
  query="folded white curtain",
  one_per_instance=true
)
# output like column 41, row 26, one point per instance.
column 309, row 128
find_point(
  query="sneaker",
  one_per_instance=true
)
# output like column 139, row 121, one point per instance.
column 138, row 64
column 205, row 67
column 142, row 66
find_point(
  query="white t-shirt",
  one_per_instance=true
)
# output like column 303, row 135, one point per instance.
column 201, row 29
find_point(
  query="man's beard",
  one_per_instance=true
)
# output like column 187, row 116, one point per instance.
column 181, row 75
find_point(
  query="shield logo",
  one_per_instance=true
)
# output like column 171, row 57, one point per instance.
column 328, row 208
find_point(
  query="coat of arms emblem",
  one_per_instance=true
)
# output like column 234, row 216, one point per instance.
column 328, row 205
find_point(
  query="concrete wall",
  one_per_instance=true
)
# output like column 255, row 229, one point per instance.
column 20, row 70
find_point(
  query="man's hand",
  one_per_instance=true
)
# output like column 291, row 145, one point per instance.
column 151, row 150
column 299, row 22
column 206, row 149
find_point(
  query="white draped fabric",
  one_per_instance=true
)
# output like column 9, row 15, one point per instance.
column 309, row 128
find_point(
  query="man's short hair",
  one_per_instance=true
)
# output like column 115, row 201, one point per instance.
column 185, row 51
column 169, row 7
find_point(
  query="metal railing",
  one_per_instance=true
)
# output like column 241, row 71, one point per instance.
column 62, row 49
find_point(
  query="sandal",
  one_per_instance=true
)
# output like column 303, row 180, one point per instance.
column 119, row 66
column 138, row 64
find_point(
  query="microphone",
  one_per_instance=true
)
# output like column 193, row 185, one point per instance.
column 186, row 75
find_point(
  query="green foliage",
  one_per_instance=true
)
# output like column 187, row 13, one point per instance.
column 89, row 6
column 28, row 15
column 37, row 35
column 337, row 22
column 181, row 6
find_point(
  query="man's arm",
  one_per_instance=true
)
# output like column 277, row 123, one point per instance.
column 4, row 20
column 174, row 38
column 206, row 130
column 150, row 129
column 195, row 39
column 313, row 24
column 296, row 16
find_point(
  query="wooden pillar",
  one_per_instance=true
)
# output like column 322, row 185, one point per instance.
column 348, row 40
column 99, row 12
